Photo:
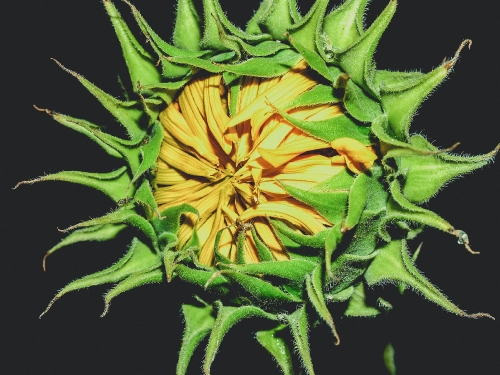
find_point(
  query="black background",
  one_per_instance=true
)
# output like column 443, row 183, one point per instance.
column 142, row 332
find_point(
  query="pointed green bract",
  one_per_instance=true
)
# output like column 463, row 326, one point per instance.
column 342, row 126
column 400, row 99
column 344, row 25
column 298, row 324
column 198, row 324
column 426, row 175
column 140, row 63
column 308, row 29
column 96, row 233
column 187, row 30
column 274, row 17
column 152, row 275
column 389, row 359
column 314, row 287
column 277, row 346
column 356, row 249
column 137, row 259
column 357, row 59
column 357, row 304
column 113, row 184
column 393, row 265
column 226, row 318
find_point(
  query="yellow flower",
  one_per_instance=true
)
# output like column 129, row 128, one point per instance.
column 234, row 169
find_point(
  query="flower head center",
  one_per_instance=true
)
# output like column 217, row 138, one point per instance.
column 230, row 154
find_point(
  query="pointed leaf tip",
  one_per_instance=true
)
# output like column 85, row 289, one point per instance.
column 450, row 63
column 140, row 64
column 277, row 347
column 127, row 113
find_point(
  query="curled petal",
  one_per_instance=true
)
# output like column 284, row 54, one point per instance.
column 358, row 157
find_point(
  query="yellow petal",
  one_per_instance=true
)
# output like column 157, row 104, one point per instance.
column 165, row 175
column 175, row 123
column 217, row 118
column 280, row 94
column 292, row 214
column 188, row 164
column 289, row 150
column 354, row 149
column 269, row 237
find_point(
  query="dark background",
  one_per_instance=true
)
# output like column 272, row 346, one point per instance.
column 142, row 332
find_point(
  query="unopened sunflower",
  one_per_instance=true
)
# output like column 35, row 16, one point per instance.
column 268, row 166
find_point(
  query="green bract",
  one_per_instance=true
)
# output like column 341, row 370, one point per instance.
column 359, row 250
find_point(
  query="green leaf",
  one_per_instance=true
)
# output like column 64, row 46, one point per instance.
column 95, row 233
column 140, row 63
column 357, row 304
column 166, row 90
column 307, row 31
column 329, row 204
column 332, row 241
column 399, row 208
column 198, row 323
column 401, row 100
column 123, row 215
column 388, row 80
column 319, row 94
column 268, row 67
column 127, row 113
column 314, row 287
column 277, row 347
column 316, row 241
column 83, row 127
column 358, row 197
column 204, row 64
column 215, row 36
column 293, row 270
column 392, row 264
column 152, row 276
column 341, row 296
column 227, row 317
column 187, row 30
column 149, row 151
column 341, row 126
column 297, row 321
column 425, row 175
column 260, row 289
column 144, row 196
column 170, row 221
column 127, row 149
column 390, row 364
column 382, row 303
column 344, row 24
column 361, row 69
column 114, row 184
column 347, row 268
column 389, row 145
column 210, row 280
column 263, row 251
column 213, row 10
column 265, row 48
column 139, row 257
column 164, row 50
column 359, row 105
column 274, row 17
column 314, row 60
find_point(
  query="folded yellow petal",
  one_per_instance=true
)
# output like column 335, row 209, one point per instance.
column 235, row 170
column 279, row 95
column 291, row 149
column 354, row 149
column 292, row 214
